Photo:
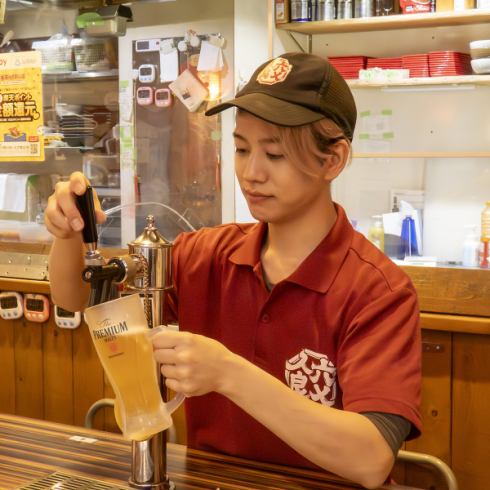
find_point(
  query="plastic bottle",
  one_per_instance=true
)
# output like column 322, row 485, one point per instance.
column 376, row 234
column 485, row 235
column 471, row 247
column 409, row 237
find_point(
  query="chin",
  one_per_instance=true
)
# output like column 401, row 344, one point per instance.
column 258, row 216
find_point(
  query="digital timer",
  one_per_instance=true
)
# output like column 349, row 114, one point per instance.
column 146, row 73
column 36, row 307
column 147, row 45
column 144, row 96
column 66, row 319
column 11, row 305
column 163, row 97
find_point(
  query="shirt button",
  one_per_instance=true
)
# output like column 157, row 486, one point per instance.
column 266, row 318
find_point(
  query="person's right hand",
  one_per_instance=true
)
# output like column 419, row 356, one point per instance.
column 61, row 215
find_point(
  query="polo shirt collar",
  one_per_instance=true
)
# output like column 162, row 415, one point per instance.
column 328, row 256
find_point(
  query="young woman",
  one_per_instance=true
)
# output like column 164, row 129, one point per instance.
column 299, row 341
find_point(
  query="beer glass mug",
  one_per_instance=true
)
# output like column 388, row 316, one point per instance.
column 121, row 338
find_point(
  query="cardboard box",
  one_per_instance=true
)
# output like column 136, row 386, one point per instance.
column 444, row 5
column 282, row 11
column 463, row 4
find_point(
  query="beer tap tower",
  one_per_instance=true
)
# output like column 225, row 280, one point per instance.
column 146, row 270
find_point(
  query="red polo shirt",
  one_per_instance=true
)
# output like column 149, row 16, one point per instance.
column 342, row 330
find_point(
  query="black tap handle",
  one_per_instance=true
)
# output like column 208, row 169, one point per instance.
column 85, row 204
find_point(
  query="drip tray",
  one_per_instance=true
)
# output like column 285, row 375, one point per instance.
column 64, row 481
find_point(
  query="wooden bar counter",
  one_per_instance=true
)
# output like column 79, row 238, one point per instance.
column 32, row 449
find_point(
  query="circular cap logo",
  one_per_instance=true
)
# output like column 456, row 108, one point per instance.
column 275, row 72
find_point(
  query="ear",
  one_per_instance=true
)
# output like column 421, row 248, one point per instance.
column 334, row 163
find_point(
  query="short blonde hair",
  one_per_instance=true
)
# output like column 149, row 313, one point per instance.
column 310, row 143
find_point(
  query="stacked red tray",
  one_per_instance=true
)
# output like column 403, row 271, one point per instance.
column 418, row 64
column 348, row 66
column 385, row 63
column 449, row 63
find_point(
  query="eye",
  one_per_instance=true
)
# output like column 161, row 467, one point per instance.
column 274, row 156
column 241, row 151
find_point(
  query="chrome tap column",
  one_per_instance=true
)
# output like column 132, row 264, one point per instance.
column 146, row 271
column 148, row 469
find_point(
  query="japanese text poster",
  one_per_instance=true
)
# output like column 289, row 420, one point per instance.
column 21, row 101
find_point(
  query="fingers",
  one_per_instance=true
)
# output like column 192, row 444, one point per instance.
column 66, row 205
column 172, row 372
column 174, row 385
column 62, row 217
column 78, row 183
column 179, row 382
column 78, row 186
column 169, row 339
column 165, row 356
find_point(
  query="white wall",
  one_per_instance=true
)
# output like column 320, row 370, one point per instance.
column 253, row 46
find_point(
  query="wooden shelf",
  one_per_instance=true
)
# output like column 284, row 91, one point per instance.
column 79, row 76
column 426, row 81
column 425, row 154
column 390, row 22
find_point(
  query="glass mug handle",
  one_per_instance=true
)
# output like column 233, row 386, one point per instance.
column 177, row 400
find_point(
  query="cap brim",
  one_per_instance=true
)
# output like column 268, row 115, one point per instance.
column 270, row 109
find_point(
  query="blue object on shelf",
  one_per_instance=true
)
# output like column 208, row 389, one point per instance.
column 409, row 245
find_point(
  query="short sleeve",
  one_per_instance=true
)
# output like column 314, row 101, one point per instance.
column 379, row 360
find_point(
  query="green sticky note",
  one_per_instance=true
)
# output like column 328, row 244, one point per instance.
column 216, row 135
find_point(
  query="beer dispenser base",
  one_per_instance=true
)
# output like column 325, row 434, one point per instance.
column 167, row 485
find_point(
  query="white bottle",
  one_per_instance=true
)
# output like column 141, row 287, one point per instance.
column 471, row 247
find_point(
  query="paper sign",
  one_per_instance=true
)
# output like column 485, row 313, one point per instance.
column 169, row 64
column 21, row 107
column 3, row 4
column 210, row 57
column 189, row 90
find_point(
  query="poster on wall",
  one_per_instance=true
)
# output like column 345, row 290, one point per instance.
column 21, row 107
column 3, row 5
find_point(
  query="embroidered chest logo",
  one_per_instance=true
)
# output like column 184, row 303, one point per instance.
column 275, row 72
column 312, row 375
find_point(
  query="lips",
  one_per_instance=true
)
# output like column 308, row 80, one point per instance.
column 256, row 195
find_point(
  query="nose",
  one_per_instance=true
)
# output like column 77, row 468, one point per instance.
column 252, row 168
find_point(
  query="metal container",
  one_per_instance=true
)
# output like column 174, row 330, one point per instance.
column 301, row 10
column 344, row 9
column 157, row 252
column 325, row 10
column 364, row 8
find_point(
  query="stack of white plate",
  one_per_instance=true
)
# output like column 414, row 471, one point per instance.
column 480, row 54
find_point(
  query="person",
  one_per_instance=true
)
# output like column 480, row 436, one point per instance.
column 299, row 341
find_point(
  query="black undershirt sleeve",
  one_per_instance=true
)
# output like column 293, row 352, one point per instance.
column 394, row 428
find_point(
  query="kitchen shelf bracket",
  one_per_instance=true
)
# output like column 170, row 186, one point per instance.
column 309, row 42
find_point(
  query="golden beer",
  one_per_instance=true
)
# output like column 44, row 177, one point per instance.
column 127, row 358
column 120, row 335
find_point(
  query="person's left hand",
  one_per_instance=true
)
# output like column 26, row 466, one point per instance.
column 192, row 364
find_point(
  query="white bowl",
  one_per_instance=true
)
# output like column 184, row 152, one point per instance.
column 480, row 44
column 481, row 65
